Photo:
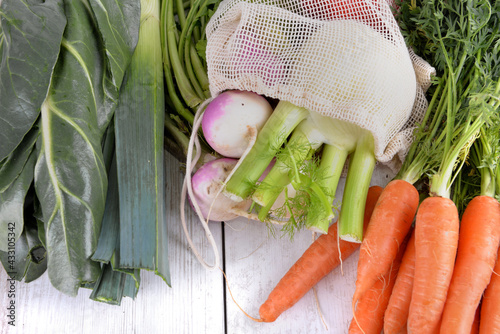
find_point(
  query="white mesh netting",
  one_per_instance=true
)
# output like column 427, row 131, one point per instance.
column 345, row 59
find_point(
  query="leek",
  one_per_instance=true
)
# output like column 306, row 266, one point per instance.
column 139, row 126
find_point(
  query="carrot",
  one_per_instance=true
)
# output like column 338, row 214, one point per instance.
column 490, row 306
column 478, row 243
column 436, row 240
column 475, row 324
column 369, row 314
column 390, row 223
column 396, row 314
column 316, row 262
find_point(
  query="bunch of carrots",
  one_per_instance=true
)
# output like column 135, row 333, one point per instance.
column 428, row 260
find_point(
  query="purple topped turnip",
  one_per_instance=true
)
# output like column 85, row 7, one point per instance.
column 207, row 183
column 232, row 119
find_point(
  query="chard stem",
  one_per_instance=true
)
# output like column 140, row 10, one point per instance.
column 358, row 179
column 278, row 127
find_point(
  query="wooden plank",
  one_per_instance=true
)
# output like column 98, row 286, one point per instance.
column 255, row 262
column 194, row 304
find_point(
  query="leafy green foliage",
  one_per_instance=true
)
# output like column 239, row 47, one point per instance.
column 30, row 40
column 12, row 202
column 74, row 112
column 461, row 39
column 71, row 179
column 27, row 259
column 117, row 22
column 310, row 202
column 139, row 125
column 14, row 163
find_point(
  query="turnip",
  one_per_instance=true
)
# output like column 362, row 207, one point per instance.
column 206, row 185
column 232, row 118
column 209, row 202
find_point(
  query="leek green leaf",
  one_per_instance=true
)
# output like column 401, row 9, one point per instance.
column 133, row 273
column 29, row 44
column 118, row 23
column 131, row 287
column 109, row 287
column 139, row 124
column 110, row 230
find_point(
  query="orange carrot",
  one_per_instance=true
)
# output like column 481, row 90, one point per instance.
column 478, row 243
column 396, row 315
column 475, row 324
column 436, row 240
column 490, row 306
column 369, row 314
column 389, row 225
column 316, row 262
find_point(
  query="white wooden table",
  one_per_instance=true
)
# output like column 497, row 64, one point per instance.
column 198, row 301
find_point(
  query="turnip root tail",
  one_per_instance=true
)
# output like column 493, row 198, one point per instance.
column 251, row 140
column 232, row 297
column 187, row 189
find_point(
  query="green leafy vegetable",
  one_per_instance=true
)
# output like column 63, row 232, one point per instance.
column 139, row 124
column 117, row 23
column 461, row 40
column 29, row 44
column 27, row 259
column 12, row 205
column 71, row 176
column 183, row 48
column 109, row 237
column 14, row 163
column 112, row 286
column 37, row 254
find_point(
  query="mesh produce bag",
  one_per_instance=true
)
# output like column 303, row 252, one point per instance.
column 343, row 59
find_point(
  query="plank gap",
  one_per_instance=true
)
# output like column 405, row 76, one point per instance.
column 224, row 294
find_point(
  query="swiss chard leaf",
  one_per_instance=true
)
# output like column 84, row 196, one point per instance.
column 70, row 175
column 16, row 260
column 14, row 163
column 29, row 44
column 12, row 204
column 37, row 254
column 27, row 259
